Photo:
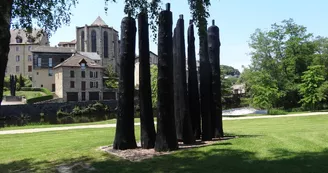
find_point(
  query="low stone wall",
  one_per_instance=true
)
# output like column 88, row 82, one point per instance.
column 49, row 110
column 13, row 98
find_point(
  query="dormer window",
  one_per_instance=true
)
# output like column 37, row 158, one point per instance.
column 19, row 39
column 82, row 66
column 30, row 39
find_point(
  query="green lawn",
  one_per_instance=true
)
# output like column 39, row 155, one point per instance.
column 294, row 144
column 27, row 94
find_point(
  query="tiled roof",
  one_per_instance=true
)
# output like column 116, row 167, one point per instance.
column 71, row 42
column 92, row 55
column 36, row 35
column 74, row 61
column 99, row 22
column 54, row 49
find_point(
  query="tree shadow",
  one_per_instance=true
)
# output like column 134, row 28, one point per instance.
column 211, row 159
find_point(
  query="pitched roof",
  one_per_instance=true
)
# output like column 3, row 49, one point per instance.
column 99, row 22
column 36, row 36
column 54, row 49
column 74, row 61
column 92, row 55
column 64, row 42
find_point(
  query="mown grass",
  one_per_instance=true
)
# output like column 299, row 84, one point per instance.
column 293, row 144
column 26, row 94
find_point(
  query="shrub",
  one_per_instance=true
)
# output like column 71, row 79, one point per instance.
column 61, row 114
column 66, row 120
column 30, row 89
column 46, row 91
column 38, row 99
column 276, row 112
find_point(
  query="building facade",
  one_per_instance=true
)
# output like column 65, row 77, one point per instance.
column 20, row 59
column 79, row 79
column 44, row 59
column 99, row 37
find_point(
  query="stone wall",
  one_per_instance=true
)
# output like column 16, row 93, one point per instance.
column 49, row 110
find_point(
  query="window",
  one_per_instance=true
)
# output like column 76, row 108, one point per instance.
column 17, row 58
column 50, row 62
column 93, row 41
column 83, row 96
column 41, row 86
column 29, row 48
column 83, row 74
column 96, row 83
column 39, row 62
column 17, row 48
column 91, row 74
column 82, row 66
column 50, row 72
column 96, row 74
column 19, row 39
column 105, row 44
column 30, row 39
column 83, row 85
column 29, row 57
column 72, row 84
column 91, row 84
column 17, row 69
column 29, row 68
column 37, row 73
column 82, row 41
column 72, row 73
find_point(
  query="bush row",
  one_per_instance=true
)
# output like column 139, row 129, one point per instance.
column 48, row 95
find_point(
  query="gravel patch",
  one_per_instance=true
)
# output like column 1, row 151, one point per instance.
column 139, row 154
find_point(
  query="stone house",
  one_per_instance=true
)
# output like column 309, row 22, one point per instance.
column 79, row 79
column 20, row 60
column 45, row 58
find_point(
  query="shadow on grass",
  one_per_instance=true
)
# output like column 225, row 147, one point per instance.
column 212, row 159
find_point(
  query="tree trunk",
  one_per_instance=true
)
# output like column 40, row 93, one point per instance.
column 166, row 134
column 5, row 18
column 214, row 56
column 124, row 136
column 205, row 84
column 182, row 117
column 193, row 92
column 148, row 135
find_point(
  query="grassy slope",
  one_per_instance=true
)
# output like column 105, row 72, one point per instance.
column 27, row 94
column 295, row 144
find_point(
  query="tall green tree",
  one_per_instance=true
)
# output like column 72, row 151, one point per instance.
column 281, row 55
column 312, row 80
column 111, row 77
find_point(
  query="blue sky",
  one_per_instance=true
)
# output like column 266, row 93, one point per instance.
column 237, row 20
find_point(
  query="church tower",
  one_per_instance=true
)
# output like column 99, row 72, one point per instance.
column 100, row 38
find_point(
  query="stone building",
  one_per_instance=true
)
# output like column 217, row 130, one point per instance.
column 20, row 59
column 67, row 44
column 99, row 37
column 45, row 58
column 153, row 60
column 79, row 79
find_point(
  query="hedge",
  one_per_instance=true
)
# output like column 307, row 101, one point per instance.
column 48, row 95
column 31, row 89
column 38, row 99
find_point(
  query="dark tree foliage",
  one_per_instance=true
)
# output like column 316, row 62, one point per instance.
column 166, row 134
column 46, row 14
column 193, row 92
column 181, row 107
column 124, row 136
column 214, row 56
column 148, row 135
